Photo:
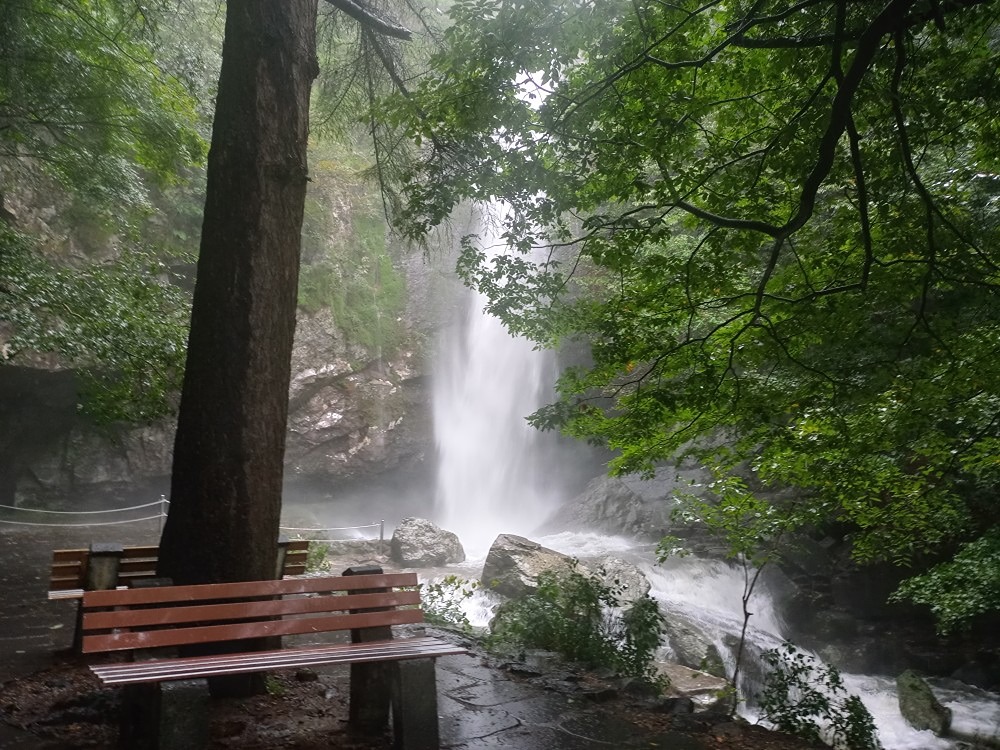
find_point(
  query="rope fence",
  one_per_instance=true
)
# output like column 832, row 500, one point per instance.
column 163, row 504
column 81, row 525
column 87, row 512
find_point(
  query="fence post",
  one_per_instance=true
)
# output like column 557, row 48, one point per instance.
column 164, row 505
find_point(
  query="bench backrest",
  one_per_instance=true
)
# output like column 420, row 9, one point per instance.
column 69, row 566
column 120, row 620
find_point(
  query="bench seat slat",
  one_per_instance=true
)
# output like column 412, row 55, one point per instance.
column 124, row 641
column 55, row 594
column 242, row 610
column 343, row 653
column 77, row 593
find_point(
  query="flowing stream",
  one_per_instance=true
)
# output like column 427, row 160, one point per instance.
column 498, row 475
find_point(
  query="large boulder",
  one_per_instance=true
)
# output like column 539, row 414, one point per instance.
column 704, row 690
column 418, row 543
column 691, row 647
column 513, row 564
column 919, row 706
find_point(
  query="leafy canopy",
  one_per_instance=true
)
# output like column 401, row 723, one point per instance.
column 121, row 327
column 99, row 119
column 82, row 93
column 774, row 223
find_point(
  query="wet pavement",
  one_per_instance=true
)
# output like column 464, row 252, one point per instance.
column 480, row 706
column 34, row 630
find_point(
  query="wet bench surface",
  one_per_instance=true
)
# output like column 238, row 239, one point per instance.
column 386, row 671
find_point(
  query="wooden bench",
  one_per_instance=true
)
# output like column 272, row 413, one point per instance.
column 384, row 671
column 115, row 566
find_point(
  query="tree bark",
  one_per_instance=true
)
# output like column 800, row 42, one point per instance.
column 225, row 496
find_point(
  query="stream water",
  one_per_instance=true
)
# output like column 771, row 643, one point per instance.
column 498, row 475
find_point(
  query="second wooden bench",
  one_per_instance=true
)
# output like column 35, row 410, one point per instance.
column 108, row 566
column 113, row 566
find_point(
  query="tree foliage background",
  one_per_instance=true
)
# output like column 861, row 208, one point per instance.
column 102, row 120
column 105, row 111
column 775, row 223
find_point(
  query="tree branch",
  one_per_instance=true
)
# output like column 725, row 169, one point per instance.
column 728, row 222
column 370, row 20
column 840, row 110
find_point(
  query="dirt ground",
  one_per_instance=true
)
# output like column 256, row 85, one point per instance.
column 65, row 707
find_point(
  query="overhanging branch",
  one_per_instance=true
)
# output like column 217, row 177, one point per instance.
column 370, row 20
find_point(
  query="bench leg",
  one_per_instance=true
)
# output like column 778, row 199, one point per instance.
column 414, row 705
column 370, row 690
column 165, row 716
column 368, row 711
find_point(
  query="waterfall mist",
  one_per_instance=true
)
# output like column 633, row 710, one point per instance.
column 495, row 473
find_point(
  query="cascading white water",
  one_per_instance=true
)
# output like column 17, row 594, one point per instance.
column 492, row 475
column 708, row 593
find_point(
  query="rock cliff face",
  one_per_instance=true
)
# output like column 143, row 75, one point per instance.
column 359, row 402
column 350, row 416
column 356, row 408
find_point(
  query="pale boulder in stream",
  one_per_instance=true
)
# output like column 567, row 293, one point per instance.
column 514, row 563
column 919, row 706
column 419, row 543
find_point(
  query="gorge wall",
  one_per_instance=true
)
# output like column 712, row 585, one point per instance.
column 359, row 398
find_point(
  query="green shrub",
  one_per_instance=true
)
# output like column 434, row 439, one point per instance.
column 442, row 602
column 809, row 700
column 117, row 324
column 316, row 557
column 581, row 618
column 962, row 589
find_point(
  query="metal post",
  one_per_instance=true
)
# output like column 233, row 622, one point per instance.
column 381, row 531
column 163, row 511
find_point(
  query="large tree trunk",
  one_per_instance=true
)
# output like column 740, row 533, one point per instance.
column 225, row 497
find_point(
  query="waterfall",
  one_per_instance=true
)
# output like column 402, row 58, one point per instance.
column 492, row 477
